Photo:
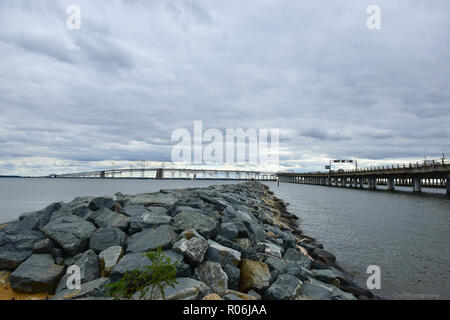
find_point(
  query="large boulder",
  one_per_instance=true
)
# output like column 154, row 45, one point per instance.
column 95, row 288
column 213, row 275
column 37, row 219
column 100, row 203
column 184, row 289
column 323, row 255
column 272, row 249
column 43, row 246
column 286, row 287
column 38, row 274
column 105, row 218
column 162, row 236
column 71, row 233
column 176, row 258
column 133, row 210
column 221, row 254
column 255, row 231
column 109, row 258
column 103, row 238
column 153, row 199
column 228, row 230
column 149, row 219
column 234, row 276
column 204, row 224
column 192, row 249
column 295, row 255
column 89, row 270
column 129, row 262
column 16, row 248
column 324, row 275
column 254, row 275
column 276, row 264
column 296, row 269
column 317, row 290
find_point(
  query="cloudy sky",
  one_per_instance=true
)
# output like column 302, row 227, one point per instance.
column 115, row 90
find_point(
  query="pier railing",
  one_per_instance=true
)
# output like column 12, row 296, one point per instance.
column 433, row 174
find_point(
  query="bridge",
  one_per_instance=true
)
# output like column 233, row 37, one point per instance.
column 418, row 175
column 172, row 173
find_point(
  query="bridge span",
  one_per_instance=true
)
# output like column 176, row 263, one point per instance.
column 172, row 173
column 417, row 176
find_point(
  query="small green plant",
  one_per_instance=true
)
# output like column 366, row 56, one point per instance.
column 151, row 280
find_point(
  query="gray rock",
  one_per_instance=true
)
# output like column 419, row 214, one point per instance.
column 105, row 218
column 286, row 287
column 228, row 213
column 228, row 230
column 204, row 224
column 324, row 255
column 250, row 254
column 95, row 288
column 153, row 199
column 212, row 274
column 192, row 249
column 104, row 238
column 119, row 198
column 109, row 258
column 272, row 249
column 37, row 219
column 176, row 258
column 317, row 290
column 234, row 276
column 296, row 269
column 72, row 233
column 276, row 264
column 223, row 255
column 228, row 243
column 148, row 219
column 162, row 236
column 189, row 233
column 134, row 210
column 325, row 275
column 295, row 255
column 16, row 248
column 129, row 262
column 254, row 294
column 89, row 270
column 219, row 204
column 185, row 289
column 274, row 276
column 243, row 242
column 38, row 274
column 255, row 231
column 43, row 246
column 100, row 203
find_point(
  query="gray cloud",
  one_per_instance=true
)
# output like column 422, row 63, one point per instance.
column 137, row 70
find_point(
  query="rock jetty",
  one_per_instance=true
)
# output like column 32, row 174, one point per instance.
column 228, row 242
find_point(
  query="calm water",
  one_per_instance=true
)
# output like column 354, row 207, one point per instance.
column 407, row 235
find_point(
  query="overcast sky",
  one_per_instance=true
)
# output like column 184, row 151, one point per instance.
column 73, row 100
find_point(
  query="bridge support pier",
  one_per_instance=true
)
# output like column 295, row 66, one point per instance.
column 390, row 184
column 372, row 183
column 159, row 174
column 417, row 185
column 448, row 185
column 361, row 182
